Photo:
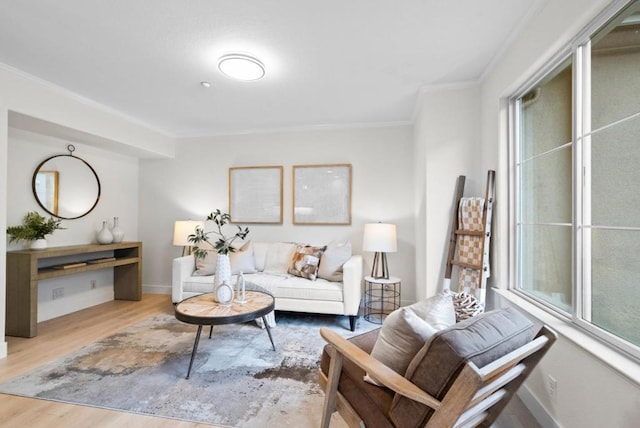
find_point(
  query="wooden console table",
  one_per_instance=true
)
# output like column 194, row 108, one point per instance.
column 25, row 269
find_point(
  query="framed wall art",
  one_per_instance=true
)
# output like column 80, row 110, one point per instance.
column 322, row 194
column 255, row 194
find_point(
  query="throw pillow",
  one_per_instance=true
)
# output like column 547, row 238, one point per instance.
column 279, row 257
column 402, row 335
column 332, row 260
column 206, row 266
column 437, row 310
column 242, row 259
column 306, row 260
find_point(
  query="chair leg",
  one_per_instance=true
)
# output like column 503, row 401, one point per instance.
column 352, row 322
column 335, row 369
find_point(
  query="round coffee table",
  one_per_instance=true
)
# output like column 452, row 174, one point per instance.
column 205, row 310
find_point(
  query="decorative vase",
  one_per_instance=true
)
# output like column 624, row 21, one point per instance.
column 105, row 236
column 223, row 270
column 38, row 244
column 116, row 231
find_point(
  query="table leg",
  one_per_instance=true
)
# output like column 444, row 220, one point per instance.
column 266, row 325
column 210, row 331
column 195, row 348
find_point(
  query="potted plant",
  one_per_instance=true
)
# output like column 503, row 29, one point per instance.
column 34, row 229
column 222, row 244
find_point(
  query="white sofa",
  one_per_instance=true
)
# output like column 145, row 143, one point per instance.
column 292, row 293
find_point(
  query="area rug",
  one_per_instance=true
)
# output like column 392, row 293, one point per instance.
column 237, row 378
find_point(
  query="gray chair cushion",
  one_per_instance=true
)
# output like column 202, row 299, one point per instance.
column 481, row 340
column 372, row 403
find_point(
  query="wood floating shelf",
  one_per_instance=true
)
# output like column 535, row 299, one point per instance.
column 24, row 271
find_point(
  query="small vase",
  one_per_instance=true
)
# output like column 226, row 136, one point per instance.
column 223, row 270
column 105, row 236
column 38, row 244
column 116, row 231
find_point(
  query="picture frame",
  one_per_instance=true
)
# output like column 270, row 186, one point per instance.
column 255, row 194
column 322, row 194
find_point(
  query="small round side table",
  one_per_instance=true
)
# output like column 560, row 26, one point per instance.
column 381, row 297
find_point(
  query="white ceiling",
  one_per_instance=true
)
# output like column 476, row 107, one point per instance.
column 329, row 62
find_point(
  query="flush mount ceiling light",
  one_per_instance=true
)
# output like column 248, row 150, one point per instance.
column 241, row 67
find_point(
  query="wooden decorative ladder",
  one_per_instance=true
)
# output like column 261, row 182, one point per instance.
column 469, row 240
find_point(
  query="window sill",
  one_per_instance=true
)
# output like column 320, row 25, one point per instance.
column 608, row 355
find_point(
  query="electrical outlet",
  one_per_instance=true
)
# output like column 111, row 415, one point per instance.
column 93, row 284
column 57, row 293
column 552, row 388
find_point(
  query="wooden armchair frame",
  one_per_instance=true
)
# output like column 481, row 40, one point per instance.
column 476, row 397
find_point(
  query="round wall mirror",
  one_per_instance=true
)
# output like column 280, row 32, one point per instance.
column 66, row 186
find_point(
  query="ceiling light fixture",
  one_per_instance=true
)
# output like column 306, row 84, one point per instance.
column 241, row 67
column 205, row 84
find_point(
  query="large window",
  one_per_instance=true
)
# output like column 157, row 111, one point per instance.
column 576, row 158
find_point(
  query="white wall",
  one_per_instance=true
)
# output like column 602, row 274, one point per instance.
column 196, row 182
column 118, row 176
column 590, row 392
column 4, row 120
column 447, row 141
column 84, row 122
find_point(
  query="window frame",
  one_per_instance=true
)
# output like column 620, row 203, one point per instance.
column 579, row 52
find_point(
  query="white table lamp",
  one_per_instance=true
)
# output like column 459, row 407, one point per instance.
column 181, row 231
column 380, row 238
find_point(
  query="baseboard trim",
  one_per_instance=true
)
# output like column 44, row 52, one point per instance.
column 156, row 289
column 537, row 410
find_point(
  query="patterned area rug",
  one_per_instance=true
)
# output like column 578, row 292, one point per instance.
column 237, row 379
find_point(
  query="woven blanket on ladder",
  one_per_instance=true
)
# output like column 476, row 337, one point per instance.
column 470, row 249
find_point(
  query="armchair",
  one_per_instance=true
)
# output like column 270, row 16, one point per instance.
column 463, row 376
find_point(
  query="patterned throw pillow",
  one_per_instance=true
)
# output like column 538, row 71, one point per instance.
column 306, row 260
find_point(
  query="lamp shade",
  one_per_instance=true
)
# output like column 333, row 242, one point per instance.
column 182, row 229
column 380, row 238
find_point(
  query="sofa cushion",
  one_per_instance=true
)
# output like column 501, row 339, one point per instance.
column 242, row 259
column 279, row 257
column 207, row 265
column 305, row 261
column 198, row 284
column 260, row 254
column 481, row 340
column 294, row 287
column 335, row 255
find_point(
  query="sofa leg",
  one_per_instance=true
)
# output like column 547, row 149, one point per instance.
column 352, row 322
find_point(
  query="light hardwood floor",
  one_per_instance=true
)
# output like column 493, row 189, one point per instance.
column 60, row 336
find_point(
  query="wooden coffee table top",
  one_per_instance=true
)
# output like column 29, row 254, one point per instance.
column 205, row 310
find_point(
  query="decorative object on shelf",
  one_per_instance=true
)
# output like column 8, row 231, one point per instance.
column 380, row 238
column 222, row 246
column 38, row 244
column 116, row 231
column 224, row 294
column 181, row 231
column 104, row 236
column 79, row 192
column 34, row 229
column 240, row 290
